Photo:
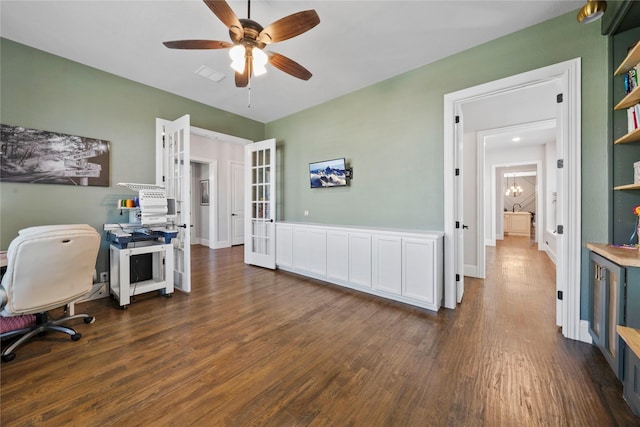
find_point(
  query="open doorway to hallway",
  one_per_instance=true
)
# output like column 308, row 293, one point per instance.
column 515, row 101
column 214, row 158
column 203, row 202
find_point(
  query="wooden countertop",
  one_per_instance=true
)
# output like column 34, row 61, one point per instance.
column 623, row 256
column 631, row 337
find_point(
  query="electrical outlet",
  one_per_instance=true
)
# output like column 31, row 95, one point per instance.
column 306, row 213
column 104, row 276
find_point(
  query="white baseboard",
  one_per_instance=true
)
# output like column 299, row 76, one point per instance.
column 220, row 244
column 99, row 290
column 551, row 255
column 471, row 270
column 584, row 332
column 204, row 242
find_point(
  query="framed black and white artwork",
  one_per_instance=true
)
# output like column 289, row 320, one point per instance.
column 43, row 157
column 204, row 192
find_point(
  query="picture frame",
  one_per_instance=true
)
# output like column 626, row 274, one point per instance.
column 37, row 156
column 204, row 192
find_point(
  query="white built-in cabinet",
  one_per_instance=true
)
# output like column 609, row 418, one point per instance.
column 396, row 264
column 337, row 257
column 517, row 223
column 310, row 250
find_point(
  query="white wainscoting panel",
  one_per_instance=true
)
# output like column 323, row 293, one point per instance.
column 418, row 256
column 318, row 251
column 337, row 255
column 284, row 247
column 387, row 263
column 360, row 259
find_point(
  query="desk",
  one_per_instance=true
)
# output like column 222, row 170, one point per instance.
column 162, row 270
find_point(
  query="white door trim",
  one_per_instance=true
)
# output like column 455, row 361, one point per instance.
column 230, row 200
column 220, row 137
column 569, row 149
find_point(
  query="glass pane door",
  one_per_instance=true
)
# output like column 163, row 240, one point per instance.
column 260, row 221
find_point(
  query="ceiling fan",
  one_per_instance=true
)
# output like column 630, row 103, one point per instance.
column 249, row 39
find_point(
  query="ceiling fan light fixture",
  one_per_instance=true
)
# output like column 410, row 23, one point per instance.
column 248, row 38
column 236, row 54
column 260, row 59
column 592, row 11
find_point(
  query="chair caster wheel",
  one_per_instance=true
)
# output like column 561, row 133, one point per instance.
column 8, row 357
column 89, row 319
column 76, row 337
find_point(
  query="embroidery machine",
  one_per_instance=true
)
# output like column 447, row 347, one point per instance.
column 141, row 252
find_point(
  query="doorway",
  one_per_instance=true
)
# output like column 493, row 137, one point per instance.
column 217, row 152
column 204, row 206
column 457, row 115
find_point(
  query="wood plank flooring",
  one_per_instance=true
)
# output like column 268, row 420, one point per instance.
column 253, row 347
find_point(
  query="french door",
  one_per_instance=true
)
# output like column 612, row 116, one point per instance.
column 172, row 171
column 260, row 206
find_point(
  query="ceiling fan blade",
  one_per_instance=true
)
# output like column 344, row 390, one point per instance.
column 197, row 44
column 223, row 11
column 289, row 26
column 289, row 66
column 242, row 79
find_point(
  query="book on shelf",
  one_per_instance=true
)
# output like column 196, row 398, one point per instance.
column 633, row 118
column 631, row 79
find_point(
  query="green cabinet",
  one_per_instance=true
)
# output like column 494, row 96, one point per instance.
column 607, row 309
column 632, row 380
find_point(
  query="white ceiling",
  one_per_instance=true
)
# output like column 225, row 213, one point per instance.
column 357, row 43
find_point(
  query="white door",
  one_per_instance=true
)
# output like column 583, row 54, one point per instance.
column 458, row 208
column 260, row 206
column 172, row 171
column 237, row 203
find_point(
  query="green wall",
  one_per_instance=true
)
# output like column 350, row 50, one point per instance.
column 42, row 91
column 392, row 134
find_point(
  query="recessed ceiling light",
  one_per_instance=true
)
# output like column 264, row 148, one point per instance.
column 516, row 139
column 210, row 74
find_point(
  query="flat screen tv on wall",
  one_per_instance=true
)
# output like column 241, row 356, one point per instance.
column 329, row 173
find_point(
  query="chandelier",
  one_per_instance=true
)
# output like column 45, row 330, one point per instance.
column 515, row 190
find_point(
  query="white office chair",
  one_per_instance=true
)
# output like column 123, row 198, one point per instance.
column 48, row 267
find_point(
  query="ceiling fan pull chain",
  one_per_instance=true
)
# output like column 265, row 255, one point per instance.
column 249, row 95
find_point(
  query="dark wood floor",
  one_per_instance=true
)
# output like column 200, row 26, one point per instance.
column 256, row 347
